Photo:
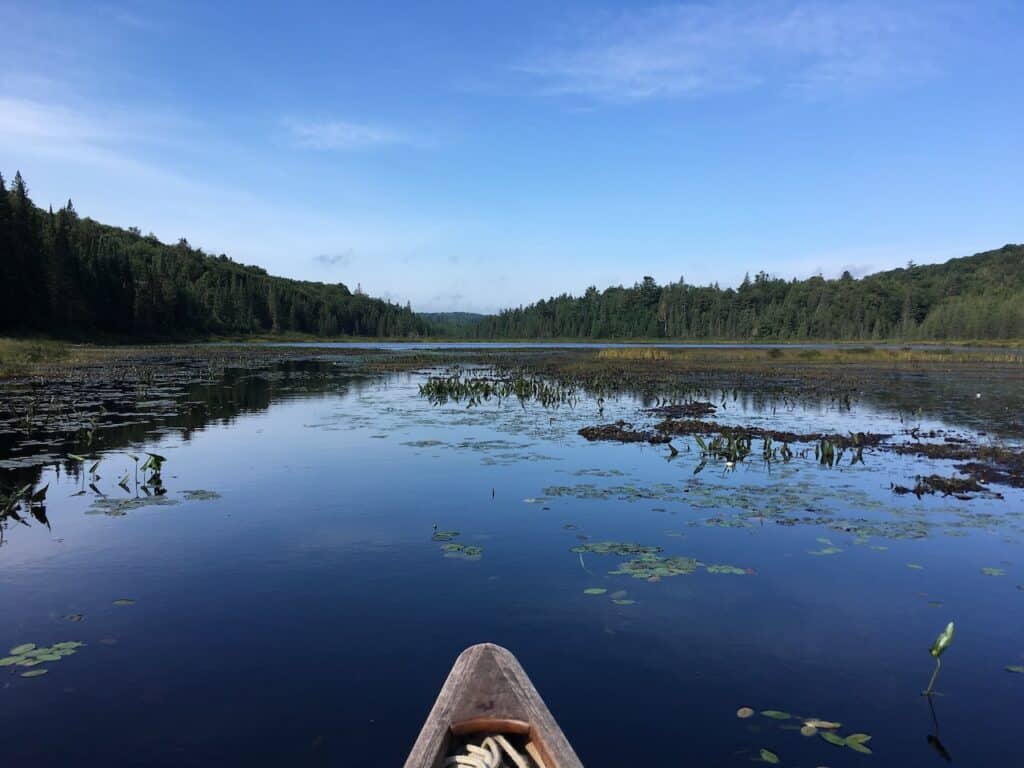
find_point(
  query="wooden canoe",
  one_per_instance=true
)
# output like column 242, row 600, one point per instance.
column 488, row 691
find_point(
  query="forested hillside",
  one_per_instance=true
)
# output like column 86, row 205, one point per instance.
column 977, row 297
column 69, row 276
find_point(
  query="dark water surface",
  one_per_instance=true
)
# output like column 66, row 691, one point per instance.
column 305, row 616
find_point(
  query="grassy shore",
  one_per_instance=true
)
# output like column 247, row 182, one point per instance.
column 19, row 356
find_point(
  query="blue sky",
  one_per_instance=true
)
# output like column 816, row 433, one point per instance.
column 470, row 156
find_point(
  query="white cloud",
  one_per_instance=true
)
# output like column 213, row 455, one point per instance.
column 342, row 135
column 677, row 50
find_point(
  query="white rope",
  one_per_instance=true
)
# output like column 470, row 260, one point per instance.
column 490, row 754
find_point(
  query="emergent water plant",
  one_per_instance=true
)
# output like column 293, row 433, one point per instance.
column 942, row 642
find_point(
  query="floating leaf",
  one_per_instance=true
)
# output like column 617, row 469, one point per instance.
column 35, row 673
column 744, row 712
column 624, row 602
column 823, row 724
column 857, row 738
column 124, row 601
column 727, row 569
column 824, row 551
column 49, row 657
column 594, row 591
column 618, row 594
column 808, row 730
column 444, row 535
column 831, row 738
column 860, row 748
column 769, row 757
column 198, row 495
column 1014, row 668
column 993, row 571
column 775, row 714
column 20, row 650
column 10, row 661
column 915, row 566
column 76, row 617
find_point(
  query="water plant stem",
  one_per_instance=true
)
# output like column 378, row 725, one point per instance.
column 935, row 674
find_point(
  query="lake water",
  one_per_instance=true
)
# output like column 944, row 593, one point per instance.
column 287, row 600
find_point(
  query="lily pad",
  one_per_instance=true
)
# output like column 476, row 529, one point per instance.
column 832, row 738
column 35, row 673
column 594, row 591
column 993, row 571
column 727, row 569
column 775, row 714
column 624, row 602
column 1016, row 668
column 824, row 551
column 856, row 742
column 444, row 535
column 20, row 650
column 10, row 661
column 744, row 712
column 915, row 566
column 200, row 495
column 769, row 757
column 122, row 601
column 808, row 730
column 648, row 566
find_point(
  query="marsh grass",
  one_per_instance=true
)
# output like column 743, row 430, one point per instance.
column 19, row 355
column 802, row 356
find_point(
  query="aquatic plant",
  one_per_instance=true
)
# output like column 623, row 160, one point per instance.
column 29, row 655
column 942, row 642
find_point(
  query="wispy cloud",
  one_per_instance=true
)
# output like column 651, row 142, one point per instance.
column 342, row 135
column 343, row 259
column 678, row 50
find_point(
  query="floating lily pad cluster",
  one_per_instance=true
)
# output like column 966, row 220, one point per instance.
column 619, row 596
column 453, row 548
column 812, row 726
column 624, row 548
column 649, row 564
column 200, row 495
column 828, row 548
column 30, row 655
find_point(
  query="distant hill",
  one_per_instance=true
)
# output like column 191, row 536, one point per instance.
column 74, row 277
column 975, row 297
column 451, row 323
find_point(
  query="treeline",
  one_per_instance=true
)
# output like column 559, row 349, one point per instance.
column 69, row 276
column 977, row 297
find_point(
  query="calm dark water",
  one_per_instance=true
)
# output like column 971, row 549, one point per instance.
column 305, row 616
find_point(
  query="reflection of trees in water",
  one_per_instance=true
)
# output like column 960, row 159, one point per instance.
column 121, row 416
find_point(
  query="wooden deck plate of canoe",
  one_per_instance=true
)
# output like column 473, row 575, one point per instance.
column 489, row 714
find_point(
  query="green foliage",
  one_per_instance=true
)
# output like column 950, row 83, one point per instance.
column 977, row 297
column 71, row 276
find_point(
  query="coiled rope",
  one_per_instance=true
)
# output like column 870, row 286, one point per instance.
column 491, row 754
